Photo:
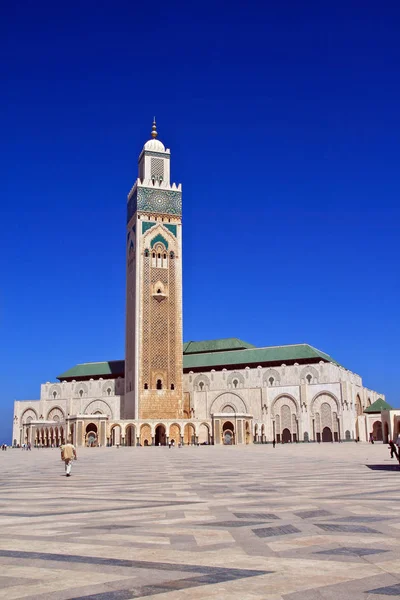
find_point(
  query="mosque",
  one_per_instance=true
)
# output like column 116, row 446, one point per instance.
column 223, row 391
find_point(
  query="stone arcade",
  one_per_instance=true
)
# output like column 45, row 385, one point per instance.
column 217, row 392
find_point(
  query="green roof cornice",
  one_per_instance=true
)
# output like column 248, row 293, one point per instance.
column 217, row 354
column 378, row 406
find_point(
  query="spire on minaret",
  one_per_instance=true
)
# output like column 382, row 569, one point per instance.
column 154, row 129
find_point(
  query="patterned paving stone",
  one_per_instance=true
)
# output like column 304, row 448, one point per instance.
column 228, row 524
column 361, row 519
column 201, row 523
column 266, row 516
column 274, row 531
column 312, row 514
column 346, row 551
column 345, row 528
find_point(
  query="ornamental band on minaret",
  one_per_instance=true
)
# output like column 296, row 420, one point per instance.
column 153, row 371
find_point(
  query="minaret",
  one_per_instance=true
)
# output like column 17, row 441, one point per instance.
column 153, row 349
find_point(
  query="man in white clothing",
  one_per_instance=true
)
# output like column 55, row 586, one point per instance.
column 68, row 454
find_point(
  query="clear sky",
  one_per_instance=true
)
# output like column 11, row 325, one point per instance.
column 283, row 124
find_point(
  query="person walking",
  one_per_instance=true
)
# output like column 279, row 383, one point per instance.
column 392, row 448
column 68, row 454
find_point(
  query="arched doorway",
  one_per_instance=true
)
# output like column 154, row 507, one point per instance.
column 286, row 436
column 189, row 434
column 386, row 430
column 130, row 438
column 115, row 437
column 145, row 435
column 377, row 431
column 175, row 434
column 204, row 434
column 160, row 437
column 228, row 433
column 327, row 434
column 91, row 435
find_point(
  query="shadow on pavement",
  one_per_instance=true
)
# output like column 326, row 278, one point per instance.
column 384, row 467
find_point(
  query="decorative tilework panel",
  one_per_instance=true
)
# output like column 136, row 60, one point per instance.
column 155, row 200
column 147, row 225
column 171, row 228
column 157, row 154
column 159, row 238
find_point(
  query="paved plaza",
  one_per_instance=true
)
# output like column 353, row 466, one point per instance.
column 298, row 522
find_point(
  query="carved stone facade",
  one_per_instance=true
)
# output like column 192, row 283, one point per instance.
column 153, row 387
column 242, row 395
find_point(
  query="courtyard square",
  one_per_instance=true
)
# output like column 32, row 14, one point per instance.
column 298, row 522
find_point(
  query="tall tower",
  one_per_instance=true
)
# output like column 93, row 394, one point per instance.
column 153, row 348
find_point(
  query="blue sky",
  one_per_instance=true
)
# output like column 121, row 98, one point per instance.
column 283, row 125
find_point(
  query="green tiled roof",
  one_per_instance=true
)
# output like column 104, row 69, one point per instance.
column 255, row 356
column 378, row 406
column 213, row 354
column 224, row 344
column 113, row 368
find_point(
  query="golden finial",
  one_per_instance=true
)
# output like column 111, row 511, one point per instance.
column 154, row 129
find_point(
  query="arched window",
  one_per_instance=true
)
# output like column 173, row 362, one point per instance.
column 159, row 384
column 235, row 383
column 172, row 386
column 309, row 378
column 271, row 381
column 201, row 385
column 171, row 255
column 159, row 255
column 146, row 253
column 108, row 391
column 81, row 393
column 54, row 395
column 154, row 254
column 165, row 256
column 146, row 386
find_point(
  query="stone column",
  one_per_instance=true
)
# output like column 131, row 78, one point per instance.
column 217, row 431
column 74, row 426
column 102, row 438
column 239, row 432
